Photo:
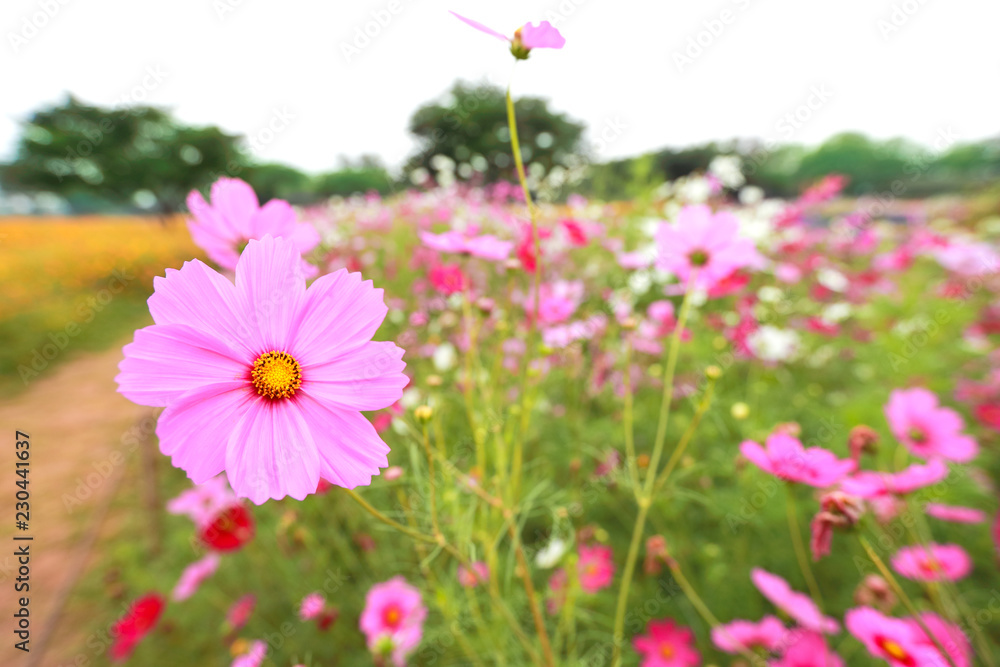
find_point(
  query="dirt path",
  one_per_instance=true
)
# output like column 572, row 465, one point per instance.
column 81, row 432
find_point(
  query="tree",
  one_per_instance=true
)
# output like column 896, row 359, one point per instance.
column 469, row 126
column 279, row 181
column 137, row 156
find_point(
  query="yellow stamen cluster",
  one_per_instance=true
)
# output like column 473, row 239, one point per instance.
column 276, row 375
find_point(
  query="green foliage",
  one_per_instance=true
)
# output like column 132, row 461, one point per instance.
column 139, row 156
column 278, row 181
column 469, row 125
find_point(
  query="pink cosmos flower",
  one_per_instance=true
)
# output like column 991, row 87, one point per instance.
column 666, row 645
column 703, row 247
column 807, row 649
column 556, row 301
column 746, row 635
column 393, row 619
column 239, row 612
column 193, row 576
column 448, row 279
column 595, row 567
column 479, row 573
column 312, row 606
column 936, row 562
column 872, row 485
column 785, row 457
column 903, row 643
column 140, row 619
column 265, row 379
column 527, row 37
column 486, row 246
column 203, row 502
column 254, row 656
column 927, row 429
column 224, row 227
column 955, row 513
column 797, row 605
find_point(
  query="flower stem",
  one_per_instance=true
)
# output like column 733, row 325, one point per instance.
column 800, row 549
column 633, row 470
column 706, row 401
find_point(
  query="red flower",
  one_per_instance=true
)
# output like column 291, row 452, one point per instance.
column 229, row 530
column 137, row 622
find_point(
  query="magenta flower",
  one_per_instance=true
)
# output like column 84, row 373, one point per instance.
column 525, row 38
column 265, row 379
column 193, row 576
column 486, row 246
column 595, row 567
column 448, row 279
column 936, row 562
column 239, row 612
column 785, row 457
column 254, row 655
column 872, row 485
column 806, row 649
column 470, row 577
column 393, row 619
column 797, row 605
column 927, row 429
column 557, row 301
column 223, row 228
column 746, row 635
column 704, row 248
column 312, row 606
column 666, row 645
column 903, row 643
column 955, row 513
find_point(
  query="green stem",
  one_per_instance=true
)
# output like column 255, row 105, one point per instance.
column 672, row 462
column 800, row 550
column 633, row 470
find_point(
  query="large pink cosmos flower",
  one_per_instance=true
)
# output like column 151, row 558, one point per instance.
column 903, row 643
column 265, row 379
column 871, row 485
column 936, row 562
column 666, row 645
column 223, row 228
column 485, row 246
column 797, row 605
column 785, row 457
column 596, row 568
column 393, row 619
column 704, row 248
column 746, row 635
column 927, row 429
column 806, row 649
column 525, row 38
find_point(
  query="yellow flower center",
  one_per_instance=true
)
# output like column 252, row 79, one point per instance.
column 667, row 651
column 894, row 650
column 276, row 375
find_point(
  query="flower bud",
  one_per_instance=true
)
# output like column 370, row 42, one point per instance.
column 862, row 440
column 713, row 372
column 423, row 413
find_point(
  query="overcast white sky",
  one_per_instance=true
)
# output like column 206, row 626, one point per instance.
column 887, row 67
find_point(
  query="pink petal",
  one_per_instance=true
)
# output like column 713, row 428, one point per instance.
column 756, row 455
column 480, row 27
column 167, row 360
column 270, row 280
column 276, row 217
column 369, row 377
column 543, row 37
column 194, row 428
column 350, row 449
column 236, row 202
column 271, row 453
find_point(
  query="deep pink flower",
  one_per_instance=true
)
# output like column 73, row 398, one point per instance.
column 805, row 648
column 955, row 513
column 479, row 573
column 235, row 217
column 556, row 301
column 193, row 576
column 138, row 621
column 747, row 635
column 797, row 605
column 666, row 645
column 927, row 429
column 265, row 379
column 527, row 37
column 239, row 612
column 486, row 246
column 871, row 485
column 703, row 247
column 228, row 530
column 595, row 567
column 936, row 562
column 785, row 457
column 393, row 619
column 448, row 279
column 903, row 643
